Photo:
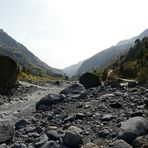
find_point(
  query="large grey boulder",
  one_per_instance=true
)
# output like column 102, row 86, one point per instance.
column 8, row 72
column 49, row 100
column 6, row 132
column 133, row 128
column 75, row 91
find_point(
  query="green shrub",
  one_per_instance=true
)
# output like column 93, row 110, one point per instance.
column 143, row 75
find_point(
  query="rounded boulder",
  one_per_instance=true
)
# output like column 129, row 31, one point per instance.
column 8, row 72
column 49, row 100
column 133, row 128
column 89, row 80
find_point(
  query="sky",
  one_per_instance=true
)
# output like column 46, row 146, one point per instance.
column 65, row 32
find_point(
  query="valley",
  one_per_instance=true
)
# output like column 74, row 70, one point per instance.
column 73, row 74
column 104, row 105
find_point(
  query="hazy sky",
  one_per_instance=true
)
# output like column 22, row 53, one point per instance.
column 64, row 32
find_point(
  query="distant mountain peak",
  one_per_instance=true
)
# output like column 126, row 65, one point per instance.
column 1, row 30
column 72, row 70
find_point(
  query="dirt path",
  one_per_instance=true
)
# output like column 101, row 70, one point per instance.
column 26, row 105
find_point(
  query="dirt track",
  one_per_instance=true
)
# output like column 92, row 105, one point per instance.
column 25, row 105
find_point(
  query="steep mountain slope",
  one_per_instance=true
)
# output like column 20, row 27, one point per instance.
column 102, row 58
column 134, row 64
column 106, row 56
column 72, row 70
column 26, row 59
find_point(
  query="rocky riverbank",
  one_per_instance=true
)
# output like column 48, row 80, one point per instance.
column 110, row 115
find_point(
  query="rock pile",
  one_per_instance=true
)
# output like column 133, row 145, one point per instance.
column 111, row 117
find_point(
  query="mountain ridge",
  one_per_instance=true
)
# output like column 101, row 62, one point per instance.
column 106, row 56
column 18, row 52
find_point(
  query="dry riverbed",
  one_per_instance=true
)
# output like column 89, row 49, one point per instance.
column 85, row 118
column 21, row 100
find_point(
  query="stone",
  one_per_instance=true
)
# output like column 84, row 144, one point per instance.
column 8, row 72
column 136, row 113
column 75, row 91
column 86, row 106
column 41, row 140
column 80, row 115
column 103, row 133
column 69, row 118
column 107, row 117
column 75, row 129
column 106, row 96
column 140, row 142
column 6, row 132
column 39, row 129
column 79, row 96
column 49, row 100
column 20, row 124
column 115, row 105
column 52, row 127
column 89, row 80
column 72, row 137
column 19, row 146
column 120, row 144
column 140, row 107
column 3, row 145
column 53, row 135
column 90, row 145
column 133, row 128
column 29, row 140
column 34, row 135
column 50, row 144
column 146, row 102
column 30, row 129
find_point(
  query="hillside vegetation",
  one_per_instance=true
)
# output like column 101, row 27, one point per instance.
column 105, row 57
column 132, row 65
